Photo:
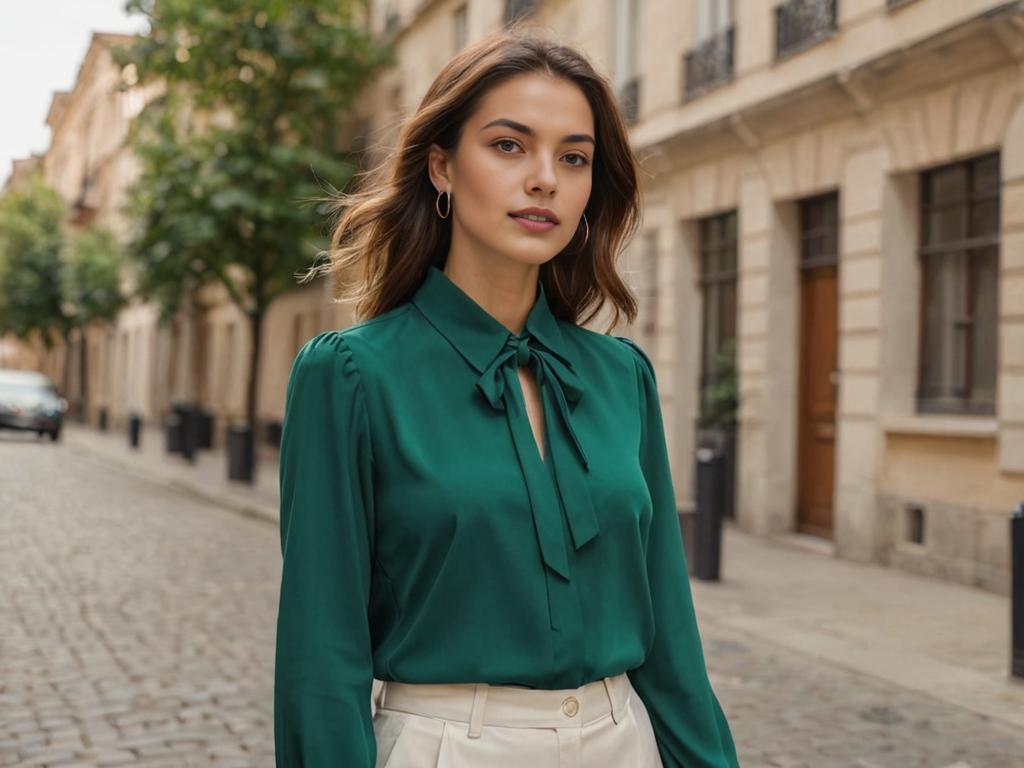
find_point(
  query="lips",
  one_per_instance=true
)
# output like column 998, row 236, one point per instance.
column 544, row 212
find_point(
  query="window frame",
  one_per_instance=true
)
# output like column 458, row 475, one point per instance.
column 968, row 248
column 709, row 282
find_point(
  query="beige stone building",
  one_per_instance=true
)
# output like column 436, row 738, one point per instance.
column 834, row 189
column 837, row 188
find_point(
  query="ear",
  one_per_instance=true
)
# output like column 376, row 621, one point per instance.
column 439, row 168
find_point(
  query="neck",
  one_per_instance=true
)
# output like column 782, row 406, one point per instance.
column 506, row 290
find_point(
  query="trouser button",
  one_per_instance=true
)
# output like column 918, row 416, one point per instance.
column 571, row 706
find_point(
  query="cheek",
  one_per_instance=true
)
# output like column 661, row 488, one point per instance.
column 484, row 194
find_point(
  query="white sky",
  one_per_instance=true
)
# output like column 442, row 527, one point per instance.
column 42, row 44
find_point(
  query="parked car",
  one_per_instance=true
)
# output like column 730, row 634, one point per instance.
column 29, row 402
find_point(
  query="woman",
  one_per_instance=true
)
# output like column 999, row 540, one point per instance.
column 476, row 504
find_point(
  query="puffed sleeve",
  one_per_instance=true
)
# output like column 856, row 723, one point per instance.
column 689, row 723
column 323, row 669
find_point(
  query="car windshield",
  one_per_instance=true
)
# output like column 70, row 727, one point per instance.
column 19, row 392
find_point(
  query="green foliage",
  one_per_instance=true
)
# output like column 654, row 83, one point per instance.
column 239, row 140
column 31, row 241
column 721, row 399
column 90, row 279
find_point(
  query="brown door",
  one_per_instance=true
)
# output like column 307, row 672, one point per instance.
column 817, row 399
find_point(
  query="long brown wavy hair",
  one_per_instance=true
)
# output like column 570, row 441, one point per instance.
column 390, row 229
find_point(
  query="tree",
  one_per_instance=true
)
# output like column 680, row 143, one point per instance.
column 31, row 243
column 244, row 128
column 90, row 286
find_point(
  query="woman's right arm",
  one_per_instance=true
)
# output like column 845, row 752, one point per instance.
column 323, row 673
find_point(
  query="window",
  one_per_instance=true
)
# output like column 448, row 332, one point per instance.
column 800, row 24
column 709, row 65
column 819, row 230
column 647, row 286
column 627, row 77
column 227, row 354
column 959, row 257
column 516, row 9
column 392, row 19
column 718, row 246
column 710, row 62
column 461, row 22
column 713, row 18
column 297, row 338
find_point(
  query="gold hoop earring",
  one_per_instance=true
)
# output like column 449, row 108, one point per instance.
column 437, row 205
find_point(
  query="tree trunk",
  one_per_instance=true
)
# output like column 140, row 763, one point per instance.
column 67, row 363
column 252, row 389
column 83, row 384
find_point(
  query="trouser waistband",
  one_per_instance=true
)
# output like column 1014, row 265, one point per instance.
column 480, row 704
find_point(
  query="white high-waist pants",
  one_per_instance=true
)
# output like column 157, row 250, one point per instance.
column 603, row 724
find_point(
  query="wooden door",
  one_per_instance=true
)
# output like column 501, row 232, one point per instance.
column 817, row 399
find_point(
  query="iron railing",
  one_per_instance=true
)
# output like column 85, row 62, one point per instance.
column 800, row 24
column 709, row 65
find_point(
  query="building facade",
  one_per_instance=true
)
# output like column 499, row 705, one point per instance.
column 833, row 198
column 833, row 207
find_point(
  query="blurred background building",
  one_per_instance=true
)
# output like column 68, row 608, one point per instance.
column 833, row 230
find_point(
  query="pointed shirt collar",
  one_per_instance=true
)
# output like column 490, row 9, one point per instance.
column 495, row 352
column 474, row 332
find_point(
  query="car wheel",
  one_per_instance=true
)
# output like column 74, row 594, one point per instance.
column 54, row 436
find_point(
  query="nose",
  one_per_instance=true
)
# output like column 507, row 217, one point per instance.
column 543, row 178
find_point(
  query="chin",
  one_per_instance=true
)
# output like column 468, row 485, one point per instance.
column 531, row 257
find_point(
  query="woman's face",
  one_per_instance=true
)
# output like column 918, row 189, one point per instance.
column 529, row 144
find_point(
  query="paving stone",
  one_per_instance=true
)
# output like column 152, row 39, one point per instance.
column 144, row 621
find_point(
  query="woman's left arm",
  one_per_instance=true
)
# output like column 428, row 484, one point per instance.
column 690, row 726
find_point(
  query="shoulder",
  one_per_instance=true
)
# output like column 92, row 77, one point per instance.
column 622, row 350
column 352, row 346
column 323, row 365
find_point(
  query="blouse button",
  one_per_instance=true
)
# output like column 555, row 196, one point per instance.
column 571, row 706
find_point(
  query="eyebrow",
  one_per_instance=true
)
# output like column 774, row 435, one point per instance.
column 572, row 137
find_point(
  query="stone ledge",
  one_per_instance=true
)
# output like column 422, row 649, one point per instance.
column 982, row 427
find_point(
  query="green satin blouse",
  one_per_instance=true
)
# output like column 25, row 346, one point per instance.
column 425, row 540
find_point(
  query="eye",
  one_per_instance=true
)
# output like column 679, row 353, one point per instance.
column 504, row 141
column 581, row 158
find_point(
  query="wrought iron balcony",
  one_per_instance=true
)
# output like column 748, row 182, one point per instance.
column 709, row 65
column 800, row 24
column 629, row 99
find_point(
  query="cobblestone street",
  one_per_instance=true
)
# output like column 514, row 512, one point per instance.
column 137, row 628
column 137, row 621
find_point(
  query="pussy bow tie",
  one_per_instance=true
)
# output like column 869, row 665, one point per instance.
column 559, row 384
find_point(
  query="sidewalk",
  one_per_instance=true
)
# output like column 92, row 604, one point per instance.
column 207, row 477
column 938, row 638
column 941, row 639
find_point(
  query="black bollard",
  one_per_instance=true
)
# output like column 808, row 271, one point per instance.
column 240, row 452
column 710, row 497
column 174, row 431
column 1017, row 591
column 189, row 432
column 134, row 430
